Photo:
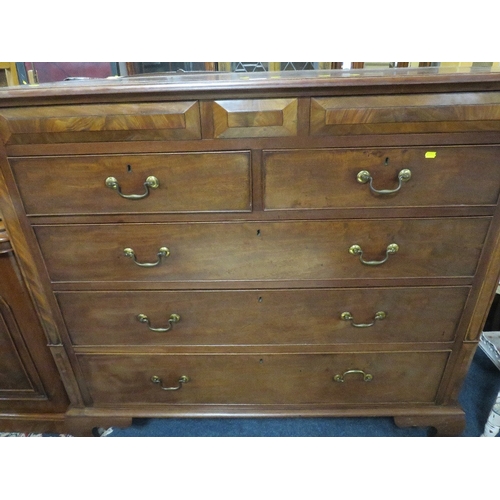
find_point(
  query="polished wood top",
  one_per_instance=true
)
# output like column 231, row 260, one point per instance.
column 207, row 84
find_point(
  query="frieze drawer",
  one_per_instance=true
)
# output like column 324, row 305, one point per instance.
column 405, row 114
column 153, row 121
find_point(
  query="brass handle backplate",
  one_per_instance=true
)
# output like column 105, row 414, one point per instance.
column 162, row 252
column 364, row 176
column 356, row 250
column 367, row 377
column 174, row 318
column 151, row 182
column 157, row 380
column 347, row 316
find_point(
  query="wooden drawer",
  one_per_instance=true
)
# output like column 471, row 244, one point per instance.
column 263, row 316
column 157, row 121
column 188, row 182
column 255, row 118
column 264, row 378
column 403, row 114
column 291, row 250
column 328, row 178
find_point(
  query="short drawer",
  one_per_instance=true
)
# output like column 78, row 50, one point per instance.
column 252, row 317
column 240, row 118
column 368, row 378
column 404, row 114
column 146, row 121
column 185, row 182
column 389, row 177
column 288, row 250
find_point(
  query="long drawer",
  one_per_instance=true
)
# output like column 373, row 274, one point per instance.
column 293, row 250
column 266, row 379
column 252, row 317
column 359, row 178
column 158, row 183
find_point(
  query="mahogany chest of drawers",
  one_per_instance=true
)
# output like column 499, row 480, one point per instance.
column 314, row 244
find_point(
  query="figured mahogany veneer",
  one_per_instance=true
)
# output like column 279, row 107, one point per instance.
column 255, row 118
column 131, row 122
column 460, row 112
column 315, row 244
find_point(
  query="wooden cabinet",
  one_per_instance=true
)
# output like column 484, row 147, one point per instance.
column 317, row 243
column 32, row 397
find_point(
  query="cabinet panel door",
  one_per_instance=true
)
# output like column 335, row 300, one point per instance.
column 19, row 378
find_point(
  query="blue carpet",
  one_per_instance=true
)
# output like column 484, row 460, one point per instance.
column 477, row 397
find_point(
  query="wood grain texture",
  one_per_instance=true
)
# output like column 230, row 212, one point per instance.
column 197, row 182
column 37, row 288
column 452, row 425
column 291, row 250
column 269, row 317
column 399, row 114
column 23, row 243
column 411, row 377
column 327, row 178
column 486, row 282
column 38, row 423
column 107, row 122
column 14, row 379
column 265, row 207
column 255, row 118
column 29, row 381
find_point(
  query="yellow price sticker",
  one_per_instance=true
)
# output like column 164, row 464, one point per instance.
column 430, row 154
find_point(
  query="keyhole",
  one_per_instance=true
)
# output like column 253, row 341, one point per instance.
column 258, row 232
column 129, row 168
column 260, row 299
column 386, row 161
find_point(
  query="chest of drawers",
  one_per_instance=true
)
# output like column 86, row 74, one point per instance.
column 315, row 244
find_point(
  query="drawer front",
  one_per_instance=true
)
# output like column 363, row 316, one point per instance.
column 294, row 250
column 255, row 118
column 403, row 114
column 328, row 178
column 157, row 121
column 263, row 316
column 187, row 182
column 265, row 379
